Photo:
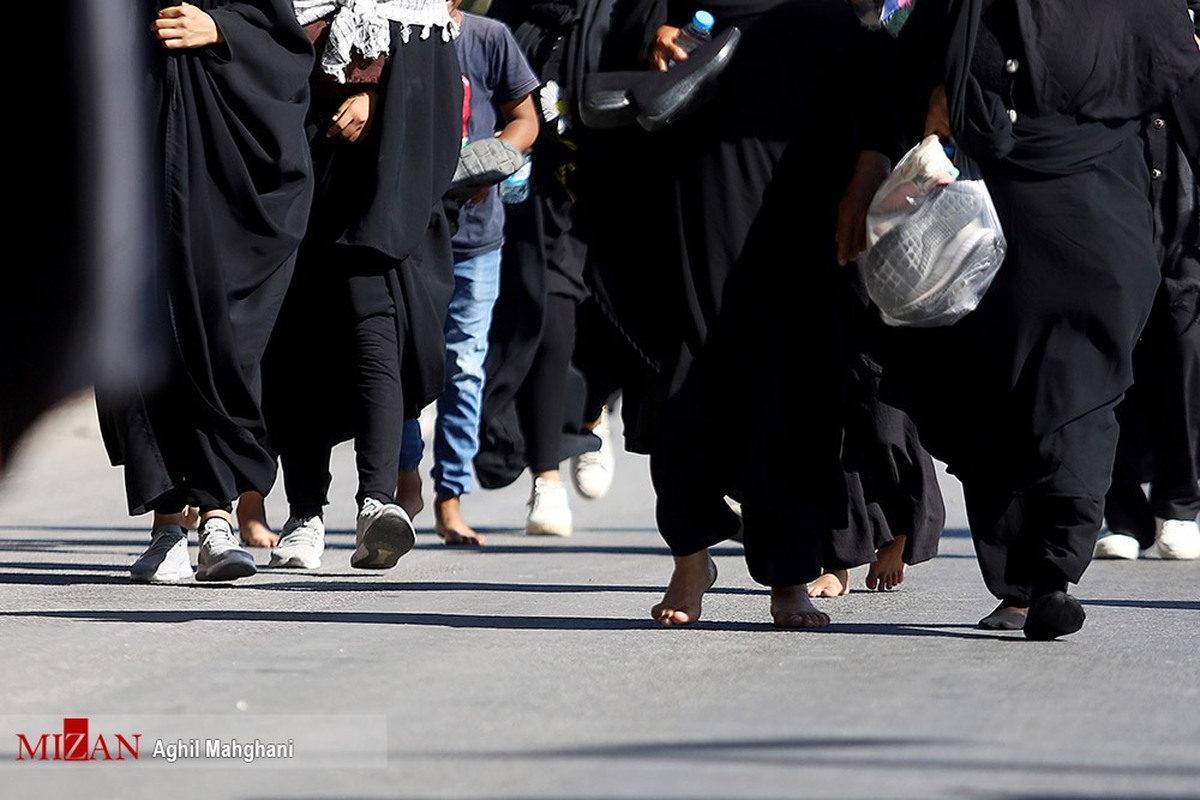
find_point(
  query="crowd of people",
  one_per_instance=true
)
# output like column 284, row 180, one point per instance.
column 335, row 255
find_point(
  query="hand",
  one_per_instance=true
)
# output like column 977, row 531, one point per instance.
column 937, row 119
column 353, row 118
column 870, row 171
column 184, row 27
column 664, row 50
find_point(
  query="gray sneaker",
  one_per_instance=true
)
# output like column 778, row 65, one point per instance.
column 384, row 533
column 166, row 559
column 221, row 555
column 301, row 545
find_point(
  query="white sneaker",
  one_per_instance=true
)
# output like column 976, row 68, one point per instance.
column 592, row 473
column 1117, row 545
column 384, row 533
column 166, row 559
column 549, row 514
column 222, row 557
column 301, row 544
column 1177, row 539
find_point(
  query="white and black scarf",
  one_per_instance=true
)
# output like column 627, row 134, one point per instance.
column 364, row 26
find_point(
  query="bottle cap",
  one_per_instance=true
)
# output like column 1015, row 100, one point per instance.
column 703, row 21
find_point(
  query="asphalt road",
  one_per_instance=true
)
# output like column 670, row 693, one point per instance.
column 531, row 669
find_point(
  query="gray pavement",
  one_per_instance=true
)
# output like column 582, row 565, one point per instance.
column 531, row 668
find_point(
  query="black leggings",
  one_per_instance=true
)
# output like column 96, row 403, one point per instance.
column 542, row 396
column 366, row 312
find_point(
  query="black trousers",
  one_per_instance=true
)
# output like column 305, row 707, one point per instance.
column 343, row 320
column 1160, row 426
column 541, row 398
column 692, row 515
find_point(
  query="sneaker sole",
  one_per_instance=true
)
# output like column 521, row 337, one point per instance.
column 156, row 578
column 385, row 542
column 547, row 530
column 295, row 562
column 228, row 569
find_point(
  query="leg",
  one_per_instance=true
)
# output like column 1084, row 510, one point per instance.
column 785, row 554
column 692, row 516
column 888, row 570
column 540, row 404
column 252, row 521
column 384, row 532
column 456, row 441
column 408, row 477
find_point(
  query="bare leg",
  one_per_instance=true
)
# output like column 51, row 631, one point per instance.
column 408, row 492
column 694, row 575
column 831, row 584
column 252, row 521
column 449, row 524
column 791, row 608
column 189, row 518
column 888, row 570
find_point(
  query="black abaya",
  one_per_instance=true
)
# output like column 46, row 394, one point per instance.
column 1027, row 419
column 236, row 190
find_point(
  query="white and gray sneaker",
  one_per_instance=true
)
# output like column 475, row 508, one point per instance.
column 222, row 557
column 384, row 533
column 592, row 473
column 166, row 559
column 549, row 512
column 301, row 545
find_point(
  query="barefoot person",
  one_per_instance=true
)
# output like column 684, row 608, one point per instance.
column 499, row 81
column 751, row 302
column 235, row 188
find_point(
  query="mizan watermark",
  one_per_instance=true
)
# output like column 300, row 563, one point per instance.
column 279, row 741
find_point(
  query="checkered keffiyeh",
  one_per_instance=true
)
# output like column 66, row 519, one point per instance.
column 364, row 26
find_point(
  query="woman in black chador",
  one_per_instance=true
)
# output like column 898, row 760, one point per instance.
column 739, row 296
column 234, row 191
column 1018, row 398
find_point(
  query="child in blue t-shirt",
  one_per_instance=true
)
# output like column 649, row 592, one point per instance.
column 497, row 85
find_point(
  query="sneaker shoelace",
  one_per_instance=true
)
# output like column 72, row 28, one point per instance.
column 370, row 507
column 304, row 533
column 218, row 535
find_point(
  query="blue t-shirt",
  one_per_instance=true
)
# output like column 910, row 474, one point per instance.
column 494, row 72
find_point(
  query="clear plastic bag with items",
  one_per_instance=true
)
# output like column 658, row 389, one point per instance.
column 934, row 241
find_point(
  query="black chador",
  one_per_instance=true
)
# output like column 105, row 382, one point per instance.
column 233, row 198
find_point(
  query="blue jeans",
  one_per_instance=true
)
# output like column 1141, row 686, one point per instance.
column 456, row 434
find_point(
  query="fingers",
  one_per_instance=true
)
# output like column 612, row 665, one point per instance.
column 352, row 117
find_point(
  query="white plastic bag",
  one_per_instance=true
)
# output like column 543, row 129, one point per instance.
column 934, row 242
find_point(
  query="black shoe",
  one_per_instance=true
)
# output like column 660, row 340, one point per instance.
column 1053, row 615
column 687, row 85
column 656, row 99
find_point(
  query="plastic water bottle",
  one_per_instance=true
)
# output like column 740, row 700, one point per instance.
column 695, row 33
column 515, row 188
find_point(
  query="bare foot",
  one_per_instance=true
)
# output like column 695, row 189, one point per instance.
column 408, row 492
column 1005, row 617
column 449, row 524
column 252, row 521
column 791, row 608
column 831, row 584
column 693, row 576
column 888, row 570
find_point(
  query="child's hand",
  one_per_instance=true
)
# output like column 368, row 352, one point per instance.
column 184, row 27
column 353, row 118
